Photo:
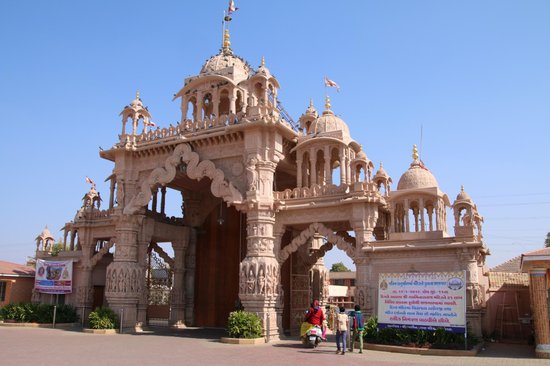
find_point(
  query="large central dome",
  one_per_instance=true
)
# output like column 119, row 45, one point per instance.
column 222, row 61
column 226, row 59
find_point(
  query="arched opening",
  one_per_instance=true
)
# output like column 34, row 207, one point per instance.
column 306, row 169
column 320, row 167
column 223, row 108
column 239, row 104
column 191, row 109
column 207, row 105
column 259, row 93
column 334, row 165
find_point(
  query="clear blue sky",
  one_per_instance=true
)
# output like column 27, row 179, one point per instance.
column 474, row 74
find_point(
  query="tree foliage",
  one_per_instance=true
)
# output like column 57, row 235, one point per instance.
column 547, row 241
column 339, row 267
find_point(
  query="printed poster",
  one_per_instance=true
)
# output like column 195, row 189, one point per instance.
column 54, row 277
column 422, row 301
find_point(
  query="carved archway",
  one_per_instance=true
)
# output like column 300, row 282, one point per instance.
column 196, row 169
column 308, row 233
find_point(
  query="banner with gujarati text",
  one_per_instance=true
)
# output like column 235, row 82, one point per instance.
column 422, row 301
column 54, row 277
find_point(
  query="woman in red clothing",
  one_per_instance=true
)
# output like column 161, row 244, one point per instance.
column 315, row 314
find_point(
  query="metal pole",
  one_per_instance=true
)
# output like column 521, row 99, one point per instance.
column 54, row 315
column 268, row 327
column 82, row 316
column 121, row 319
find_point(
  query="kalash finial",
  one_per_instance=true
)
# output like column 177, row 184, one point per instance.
column 415, row 152
column 310, row 103
column 137, row 94
column 327, row 103
column 226, row 42
column 263, row 61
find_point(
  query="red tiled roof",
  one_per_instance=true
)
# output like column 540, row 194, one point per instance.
column 544, row 251
column 511, row 266
column 14, row 269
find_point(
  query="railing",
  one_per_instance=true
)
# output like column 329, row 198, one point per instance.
column 317, row 190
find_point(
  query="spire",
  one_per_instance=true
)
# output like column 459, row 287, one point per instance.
column 263, row 62
column 310, row 103
column 137, row 94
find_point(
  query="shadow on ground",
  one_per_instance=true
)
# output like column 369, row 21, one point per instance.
column 507, row 350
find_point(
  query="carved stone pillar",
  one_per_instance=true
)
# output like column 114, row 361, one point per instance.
column 365, row 285
column 539, row 304
column 299, row 173
column 143, row 300
column 190, row 256
column 177, row 313
column 124, row 283
column 260, row 289
column 84, row 291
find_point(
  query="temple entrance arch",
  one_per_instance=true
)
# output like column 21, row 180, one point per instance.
column 195, row 169
column 307, row 278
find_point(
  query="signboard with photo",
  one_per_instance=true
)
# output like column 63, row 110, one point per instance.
column 422, row 301
column 54, row 277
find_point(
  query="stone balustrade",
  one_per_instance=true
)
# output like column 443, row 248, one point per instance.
column 317, row 190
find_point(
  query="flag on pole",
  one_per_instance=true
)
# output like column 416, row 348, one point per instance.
column 231, row 8
column 149, row 123
column 88, row 180
column 332, row 83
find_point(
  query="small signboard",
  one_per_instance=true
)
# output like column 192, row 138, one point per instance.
column 54, row 277
column 422, row 301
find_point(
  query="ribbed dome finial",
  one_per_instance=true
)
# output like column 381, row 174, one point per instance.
column 226, row 41
column 327, row 103
column 415, row 152
column 263, row 61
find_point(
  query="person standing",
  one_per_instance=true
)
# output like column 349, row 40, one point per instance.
column 341, row 331
column 358, row 327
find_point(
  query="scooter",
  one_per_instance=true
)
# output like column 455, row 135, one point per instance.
column 313, row 336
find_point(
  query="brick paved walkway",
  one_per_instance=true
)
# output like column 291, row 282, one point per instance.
column 53, row 347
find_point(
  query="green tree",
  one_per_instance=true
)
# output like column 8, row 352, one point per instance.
column 547, row 241
column 339, row 267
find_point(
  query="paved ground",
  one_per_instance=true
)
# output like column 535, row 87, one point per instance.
column 54, row 347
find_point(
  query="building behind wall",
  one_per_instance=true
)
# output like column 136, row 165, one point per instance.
column 16, row 283
column 342, row 289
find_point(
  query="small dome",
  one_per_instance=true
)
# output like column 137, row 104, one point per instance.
column 463, row 196
column 137, row 103
column 311, row 111
column 381, row 173
column 328, row 122
column 263, row 70
column 361, row 156
column 417, row 176
column 45, row 234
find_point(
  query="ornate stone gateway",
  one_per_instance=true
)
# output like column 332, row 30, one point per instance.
column 260, row 205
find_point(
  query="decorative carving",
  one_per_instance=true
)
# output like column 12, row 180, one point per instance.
column 195, row 169
column 303, row 238
column 252, row 174
column 125, row 278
